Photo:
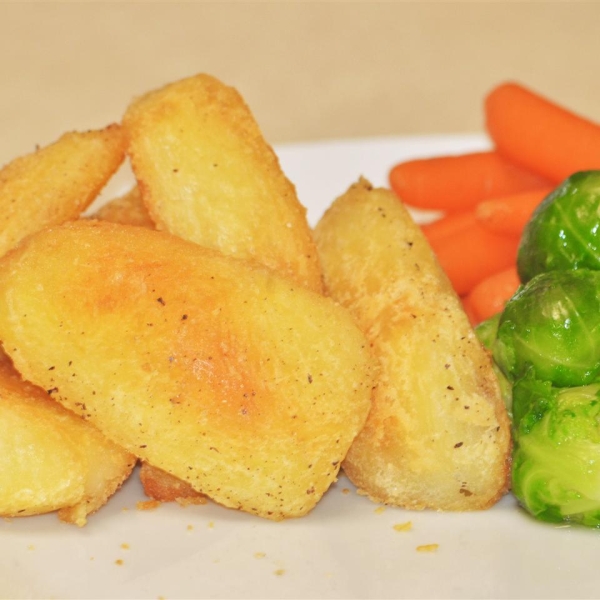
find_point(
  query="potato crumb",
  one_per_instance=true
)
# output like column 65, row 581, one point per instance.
column 31, row 547
column 125, row 546
column 119, row 562
column 379, row 510
column 259, row 555
column 428, row 548
column 211, row 524
column 190, row 527
column 279, row 572
column 345, row 491
column 403, row 526
column 147, row 504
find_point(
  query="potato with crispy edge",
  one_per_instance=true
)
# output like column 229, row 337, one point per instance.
column 127, row 209
column 438, row 434
column 216, row 370
column 57, row 182
column 207, row 175
column 51, row 459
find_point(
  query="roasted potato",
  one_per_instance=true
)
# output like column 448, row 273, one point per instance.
column 216, row 370
column 127, row 209
column 207, row 175
column 51, row 459
column 438, row 433
column 164, row 487
column 56, row 183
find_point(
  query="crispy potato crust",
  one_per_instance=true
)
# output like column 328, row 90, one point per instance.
column 438, row 435
column 56, row 183
column 51, row 459
column 207, row 175
column 160, row 485
column 128, row 209
column 215, row 370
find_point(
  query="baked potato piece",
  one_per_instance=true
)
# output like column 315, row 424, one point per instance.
column 207, row 175
column 438, row 434
column 51, row 459
column 128, row 209
column 164, row 487
column 57, row 182
column 217, row 371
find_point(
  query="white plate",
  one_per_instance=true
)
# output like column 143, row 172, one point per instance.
column 346, row 548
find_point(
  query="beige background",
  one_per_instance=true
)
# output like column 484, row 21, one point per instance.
column 309, row 70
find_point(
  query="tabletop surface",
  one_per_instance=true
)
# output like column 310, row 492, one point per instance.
column 308, row 70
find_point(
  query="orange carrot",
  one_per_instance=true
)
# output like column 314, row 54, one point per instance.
column 457, row 183
column 472, row 254
column 490, row 295
column 509, row 215
column 450, row 224
column 540, row 135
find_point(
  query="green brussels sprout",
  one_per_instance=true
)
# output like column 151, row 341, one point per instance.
column 556, row 457
column 564, row 230
column 487, row 330
column 552, row 325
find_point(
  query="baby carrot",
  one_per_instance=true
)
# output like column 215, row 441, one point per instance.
column 471, row 255
column 449, row 224
column 457, row 183
column 490, row 295
column 509, row 215
column 540, row 135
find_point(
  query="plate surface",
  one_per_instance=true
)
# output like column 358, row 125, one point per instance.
column 346, row 548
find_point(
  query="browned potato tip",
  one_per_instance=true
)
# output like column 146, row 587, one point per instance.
column 438, row 434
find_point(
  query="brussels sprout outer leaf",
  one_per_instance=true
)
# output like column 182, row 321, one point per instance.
column 564, row 230
column 552, row 324
column 556, row 464
column 486, row 331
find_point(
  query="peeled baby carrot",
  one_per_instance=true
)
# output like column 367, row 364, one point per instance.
column 457, row 183
column 509, row 215
column 490, row 295
column 472, row 254
column 540, row 135
column 449, row 224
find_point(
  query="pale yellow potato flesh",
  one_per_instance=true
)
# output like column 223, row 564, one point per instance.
column 217, row 371
column 207, row 175
column 57, row 182
column 128, row 209
column 438, row 435
column 51, row 459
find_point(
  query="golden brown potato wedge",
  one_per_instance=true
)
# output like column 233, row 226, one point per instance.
column 217, row 371
column 164, row 487
column 51, row 459
column 128, row 209
column 438, row 434
column 56, row 183
column 207, row 175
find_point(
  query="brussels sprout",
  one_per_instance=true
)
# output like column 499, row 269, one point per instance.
column 564, row 230
column 487, row 330
column 556, row 458
column 552, row 324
